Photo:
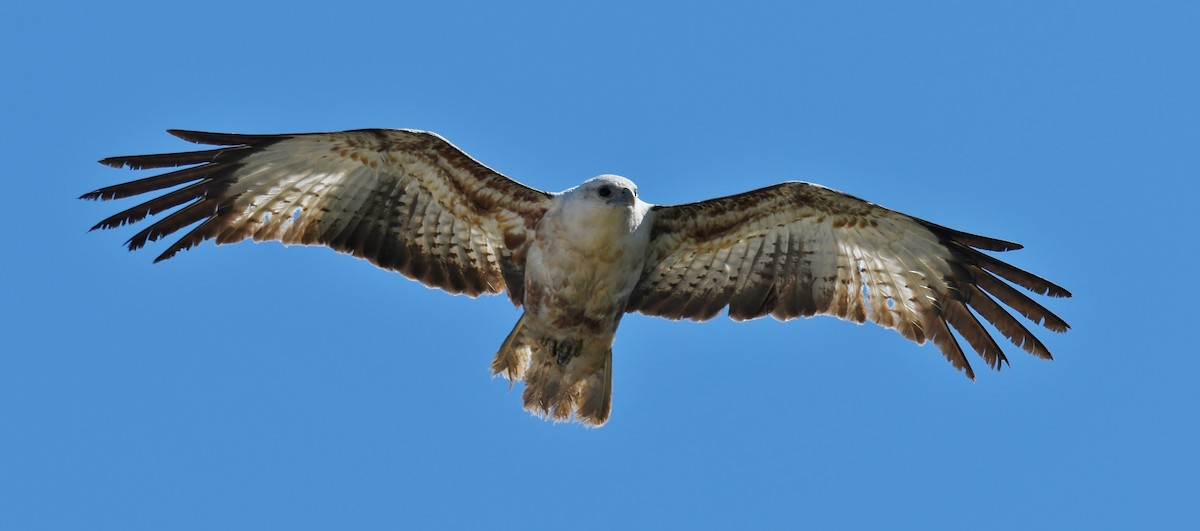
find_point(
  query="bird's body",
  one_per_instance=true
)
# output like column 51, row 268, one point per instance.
column 578, row 260
column 585, row 260
column 607, row 237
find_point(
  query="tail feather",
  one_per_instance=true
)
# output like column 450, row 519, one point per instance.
column 595, row 402
column 513, row 356
column 579, row 389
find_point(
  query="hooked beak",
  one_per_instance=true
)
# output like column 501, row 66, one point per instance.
column 625, row 198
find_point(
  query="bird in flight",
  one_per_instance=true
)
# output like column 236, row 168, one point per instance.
column 577, row 261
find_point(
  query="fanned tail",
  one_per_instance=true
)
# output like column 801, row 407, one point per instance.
column 565, row 379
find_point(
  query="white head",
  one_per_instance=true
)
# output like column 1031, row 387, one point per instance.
column 607, row 200
column 609, row 190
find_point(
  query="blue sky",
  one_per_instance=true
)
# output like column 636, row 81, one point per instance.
column 255, row 386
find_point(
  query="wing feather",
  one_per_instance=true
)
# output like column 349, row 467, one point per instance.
column 799, row 249
column 1016, row 300
column 150, row 184
column 170, row 160
column 940, row 334
column 222, row 139
column 1016, row 332
column 408, row 201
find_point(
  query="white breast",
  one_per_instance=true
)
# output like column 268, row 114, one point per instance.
column 586, row 258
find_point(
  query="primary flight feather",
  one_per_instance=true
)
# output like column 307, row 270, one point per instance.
column 577, row 261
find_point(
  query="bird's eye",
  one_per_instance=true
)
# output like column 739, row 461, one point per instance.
column 605, row 191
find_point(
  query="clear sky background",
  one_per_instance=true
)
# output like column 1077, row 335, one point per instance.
column 257, row 386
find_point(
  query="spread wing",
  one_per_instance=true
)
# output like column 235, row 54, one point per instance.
column 408, row 201
column 799, row 249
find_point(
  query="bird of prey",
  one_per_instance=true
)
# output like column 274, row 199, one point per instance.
column 577, row 261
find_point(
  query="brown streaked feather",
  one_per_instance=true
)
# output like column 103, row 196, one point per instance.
column 581, row 390
column 405, row 200
column 812, row 250
column 757, row 295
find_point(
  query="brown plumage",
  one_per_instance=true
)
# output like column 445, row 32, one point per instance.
column 798, row 249
column 576, row 261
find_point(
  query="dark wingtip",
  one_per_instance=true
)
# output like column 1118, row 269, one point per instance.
column 973, row 240
column 1059, row 291
column 222, row 139
column 185, row 134
column 113, row 162
column 1051, row 289
column 986, row 243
